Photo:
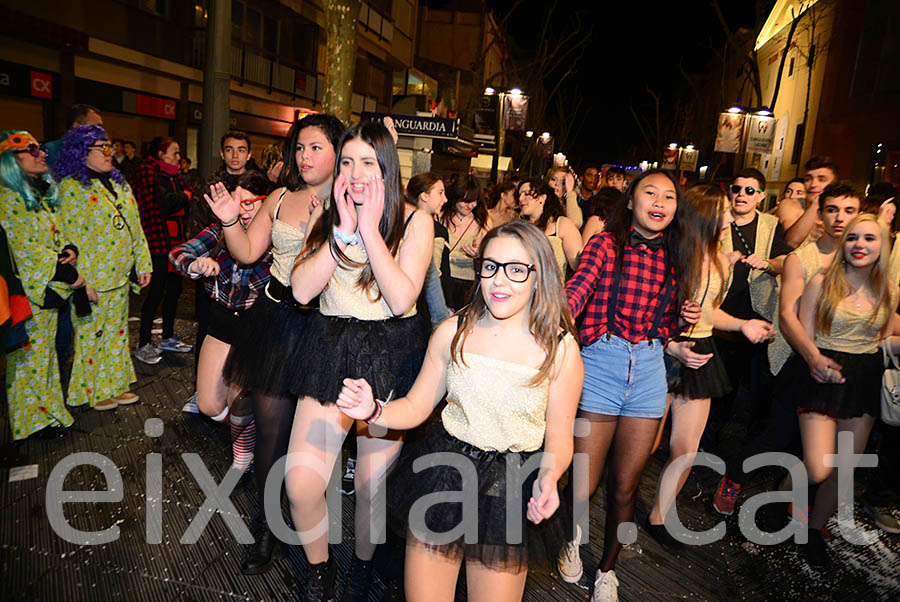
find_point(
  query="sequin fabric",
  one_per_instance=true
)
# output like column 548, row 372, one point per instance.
column 491, row 406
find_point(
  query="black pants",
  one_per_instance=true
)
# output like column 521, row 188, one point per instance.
column 163, row 283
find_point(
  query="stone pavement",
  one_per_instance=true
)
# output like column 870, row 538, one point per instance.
column 37, row 564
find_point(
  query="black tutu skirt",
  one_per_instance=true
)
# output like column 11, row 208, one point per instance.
column 860, row 394
column 708, row 381
column 537, row 545
column 387, row 353
column 266, row 351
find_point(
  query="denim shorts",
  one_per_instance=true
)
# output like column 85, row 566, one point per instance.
column 623, row 378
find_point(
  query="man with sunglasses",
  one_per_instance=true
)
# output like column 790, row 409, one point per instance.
column 757, row 245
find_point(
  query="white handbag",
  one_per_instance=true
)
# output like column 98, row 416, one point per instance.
column 890, row 387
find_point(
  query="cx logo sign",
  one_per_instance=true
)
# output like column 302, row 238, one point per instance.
column 41, row 85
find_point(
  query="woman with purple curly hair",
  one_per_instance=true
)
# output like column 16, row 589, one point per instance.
column 98, row 211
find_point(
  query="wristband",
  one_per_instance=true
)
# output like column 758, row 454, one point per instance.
column 376, row 413
column 347, row 240
column 230, row 224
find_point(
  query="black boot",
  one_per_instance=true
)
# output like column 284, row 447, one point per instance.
column 358, row 580
column 320, row 582
column 263, row 553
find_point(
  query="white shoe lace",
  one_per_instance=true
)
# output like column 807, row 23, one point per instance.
column 606, row 587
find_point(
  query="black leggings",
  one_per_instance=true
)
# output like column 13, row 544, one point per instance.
column 162, row 283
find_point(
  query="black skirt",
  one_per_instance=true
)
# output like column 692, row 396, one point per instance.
column 708, row 381
column 535, row 546
column 226, row 324
column 859, row 394
column 387, row 353
column 456, row 292
column 267, row 350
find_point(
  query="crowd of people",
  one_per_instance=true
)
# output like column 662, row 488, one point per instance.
column 443, row 318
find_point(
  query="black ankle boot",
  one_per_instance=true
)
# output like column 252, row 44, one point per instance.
column 263, row 553
column 320, row 582
column 358, row 580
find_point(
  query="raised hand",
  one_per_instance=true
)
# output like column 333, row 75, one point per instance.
column 373, row 205
column 222, row 203
column 356, row 399
column 544, row 500
column 568, row 183
column 345, row 207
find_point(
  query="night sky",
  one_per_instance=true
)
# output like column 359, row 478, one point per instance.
column 633, row 45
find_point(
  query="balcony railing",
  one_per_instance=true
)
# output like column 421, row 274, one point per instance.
column 255, row 66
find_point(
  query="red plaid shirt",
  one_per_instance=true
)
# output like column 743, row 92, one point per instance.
column 641, row 285
column 162, row 231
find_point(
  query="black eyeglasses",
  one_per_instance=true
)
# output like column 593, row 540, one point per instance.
column 735, row 189
column 515, row 271
column 33, row 149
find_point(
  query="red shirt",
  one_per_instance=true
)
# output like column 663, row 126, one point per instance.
column 640, row 295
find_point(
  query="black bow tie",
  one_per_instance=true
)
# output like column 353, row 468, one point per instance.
column 653, row 244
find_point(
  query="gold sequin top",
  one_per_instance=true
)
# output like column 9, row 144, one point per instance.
column 853, row 331
column 287, row 242
column 461, row 265
column 706, row 296
column 491, row 406
column 343, row 297
column 559, row 253
column 779, row 350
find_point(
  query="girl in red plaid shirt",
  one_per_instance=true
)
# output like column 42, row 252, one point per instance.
column 631, row 282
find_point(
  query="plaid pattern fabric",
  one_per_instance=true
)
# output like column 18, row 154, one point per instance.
column 236, row 287
column 144, row 187
column 641, row 286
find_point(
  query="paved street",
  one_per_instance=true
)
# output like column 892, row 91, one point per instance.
column 39, row 565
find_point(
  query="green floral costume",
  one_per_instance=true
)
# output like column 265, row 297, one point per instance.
column 33, row 391
column 107, row 231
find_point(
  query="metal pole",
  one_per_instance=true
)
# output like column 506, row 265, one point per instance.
column 216, row 85
column 498, row 140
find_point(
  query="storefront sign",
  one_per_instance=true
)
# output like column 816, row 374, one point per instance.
column 728, row 132
column 19, row 80
column 155, row 106
column 688, row 159
column 423, row 127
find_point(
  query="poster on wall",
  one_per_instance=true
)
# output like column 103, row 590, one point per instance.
column 670, row 158
column 688, row 159
column 761, row 134
column 728, row 132
column 515, row 110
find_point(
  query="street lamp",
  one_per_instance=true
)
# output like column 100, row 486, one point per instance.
column 489, row 91
column 499, row 136
column 530, row 133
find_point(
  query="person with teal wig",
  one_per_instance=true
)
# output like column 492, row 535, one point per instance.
column 46, row 263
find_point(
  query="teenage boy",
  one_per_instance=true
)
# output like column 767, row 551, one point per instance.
column 838, row 206
column 797, row 221
column 235, row 155
column 757, row 241
column 615, row 177
column 590, row 179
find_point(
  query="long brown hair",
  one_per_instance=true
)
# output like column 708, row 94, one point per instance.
column 465, row 189
column 707, row 202
column 390, row 227
column 835, row 288
column 548, row 311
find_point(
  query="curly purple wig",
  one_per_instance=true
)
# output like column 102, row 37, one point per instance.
column 75, row 147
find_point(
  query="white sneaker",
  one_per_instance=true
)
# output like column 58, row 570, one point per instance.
column 148, row 354
column 191, row 406
column 175, row 344
column 568, row 563
column 606, row 587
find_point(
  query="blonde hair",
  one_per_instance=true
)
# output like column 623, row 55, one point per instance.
column 834, row 285
column 548, row 311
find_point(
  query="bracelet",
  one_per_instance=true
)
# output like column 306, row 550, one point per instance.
column 347, row 240
column 376, row 413
column 230, row 224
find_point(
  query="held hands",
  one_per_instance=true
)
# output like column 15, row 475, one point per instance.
column 144, row 279
column 756, row 262
column 205, row 266
column 825, row 370
column 681, row 351
column 757, row 331
column 356, row 399
column 222, row 203
column 690, row 312
column 544, row 499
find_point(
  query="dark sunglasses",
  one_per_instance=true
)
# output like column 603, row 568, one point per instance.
column 735, row 189
column 247, row 204
column 105, row 148
column 33, row 149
